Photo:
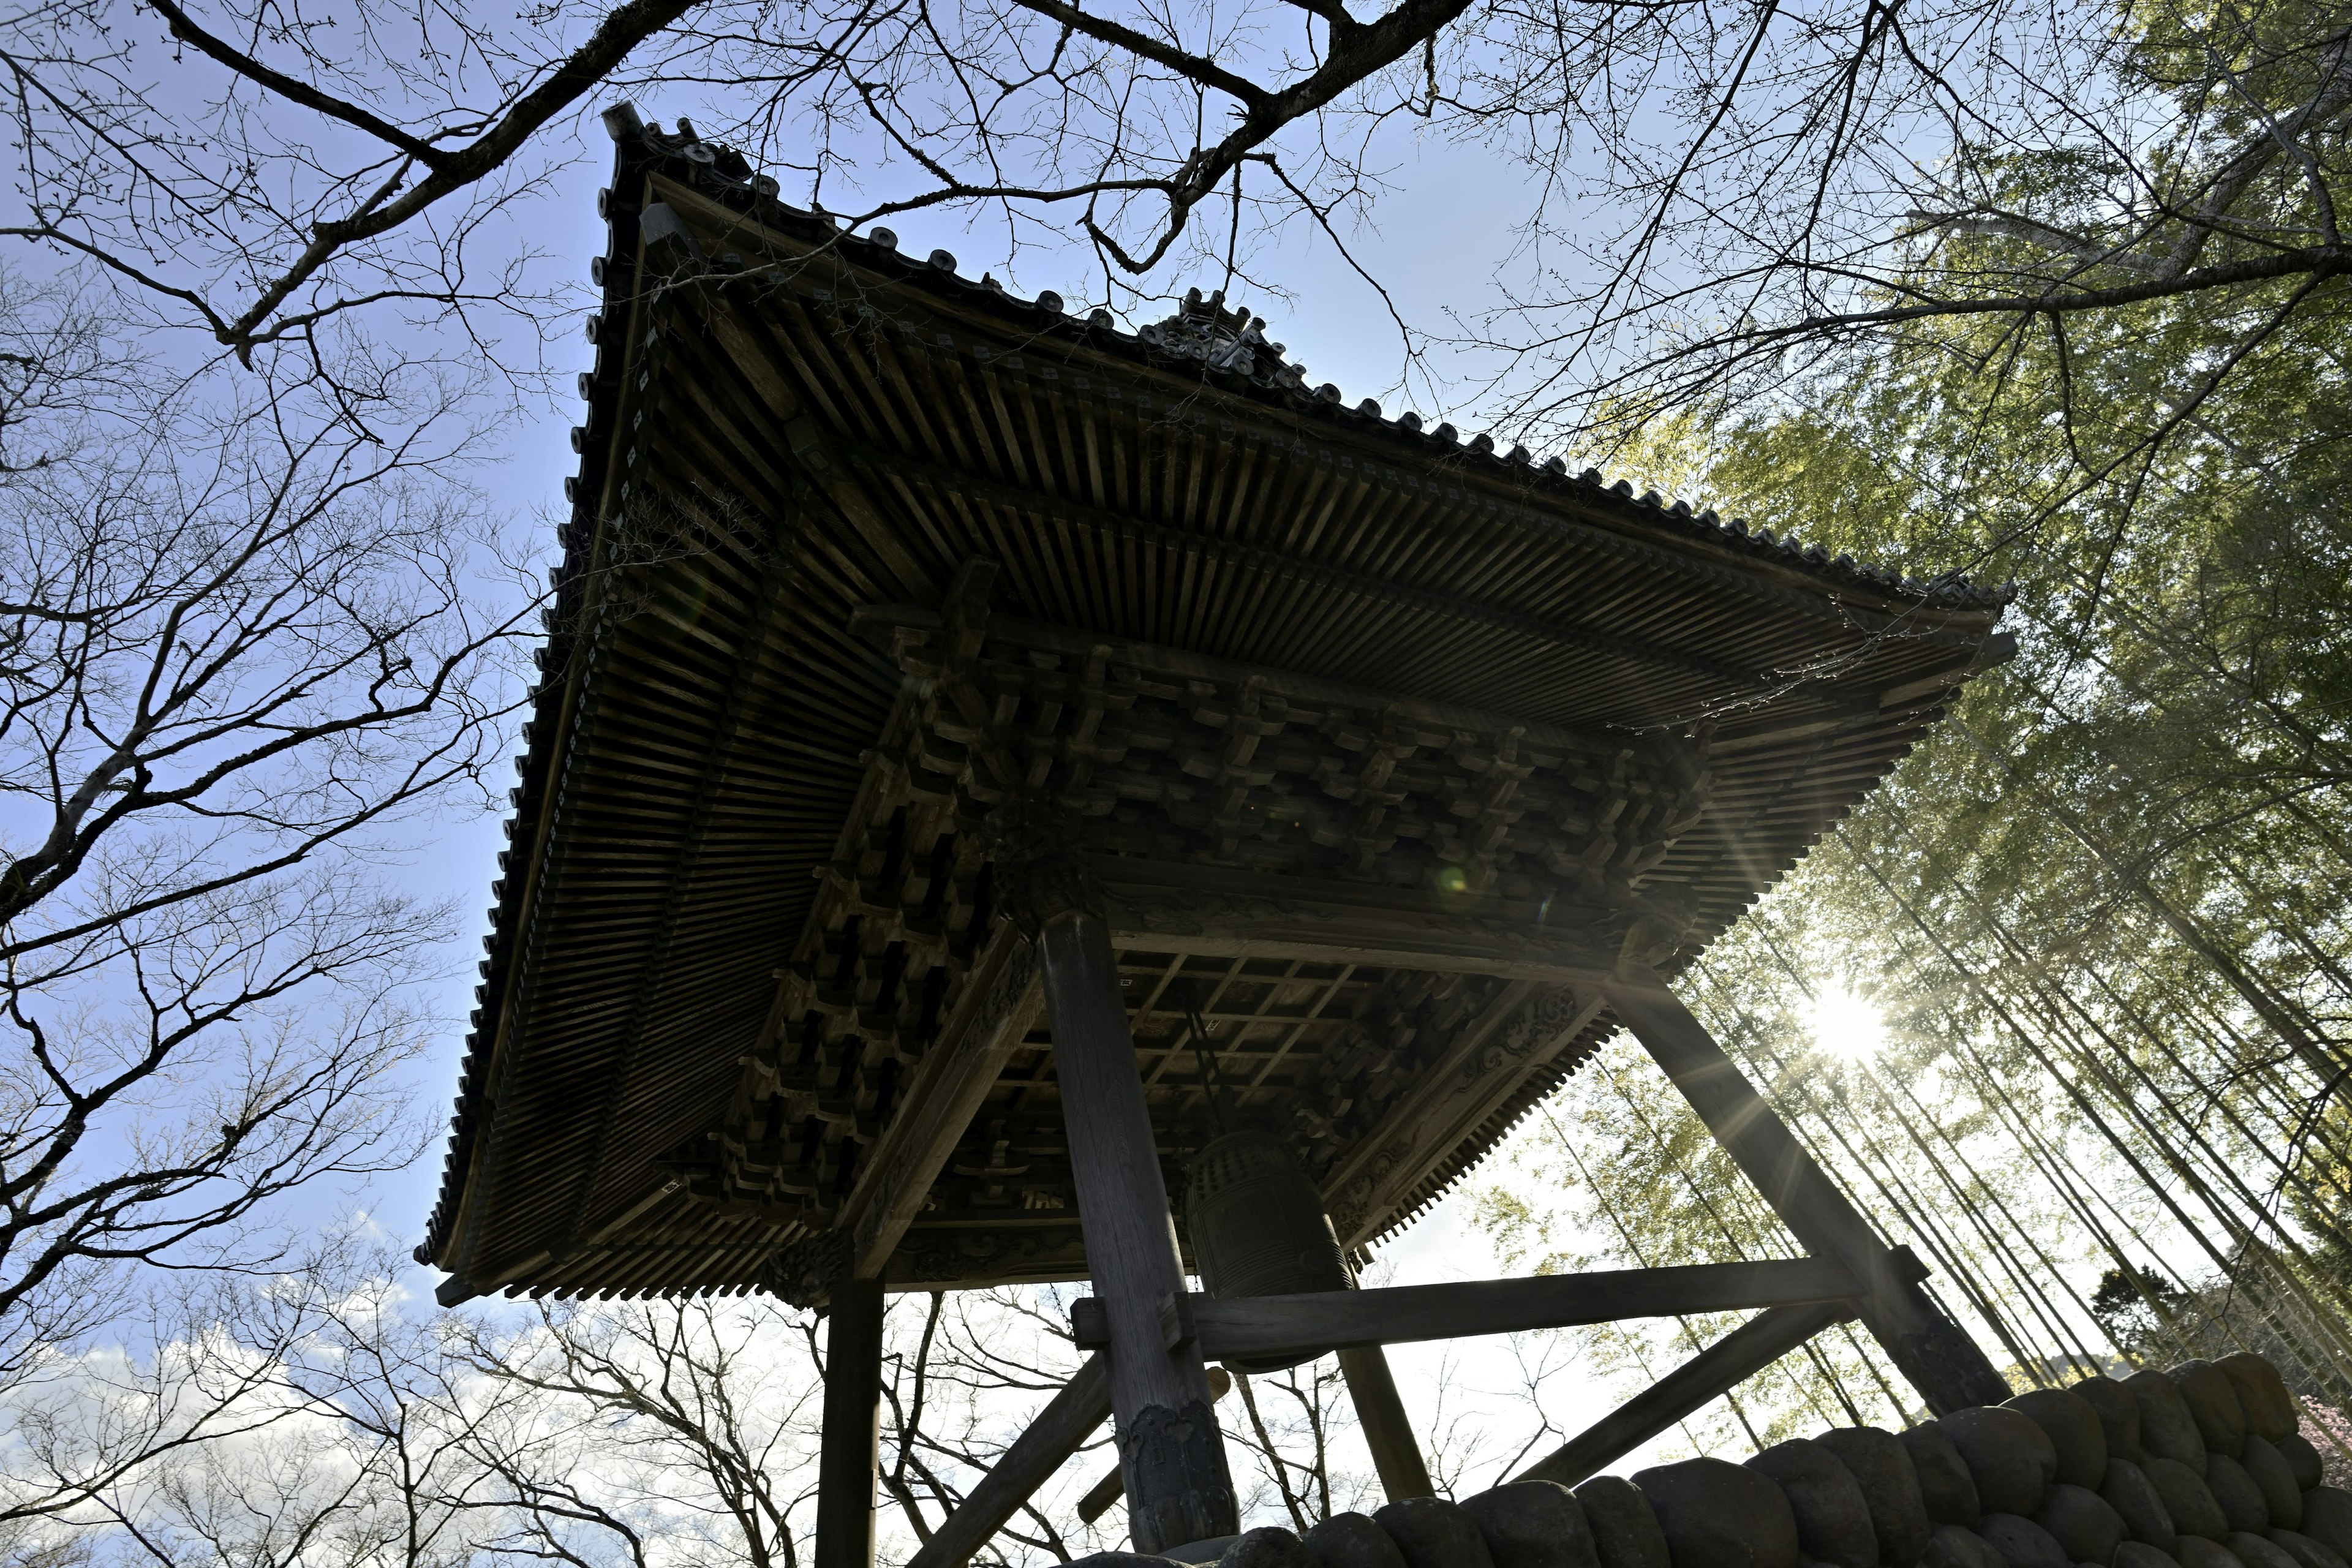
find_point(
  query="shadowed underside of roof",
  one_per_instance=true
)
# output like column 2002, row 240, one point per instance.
column 1262, row 646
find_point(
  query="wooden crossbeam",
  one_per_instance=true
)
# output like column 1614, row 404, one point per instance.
column 1002, row 999
column 1271, row 1328
column 1723, row 1365
column 1212, row 911
column 1060, row 1428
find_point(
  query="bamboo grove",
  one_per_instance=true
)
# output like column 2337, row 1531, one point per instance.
column 2101, row 915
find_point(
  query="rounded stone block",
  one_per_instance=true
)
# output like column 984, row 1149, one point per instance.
column 2196, row 1551
column 2118, row 1415
column 2010, row 1458
column 2241, row 1499
column 2258, row 1551
column 2022, row 1542
column 2306, row 1552
column 2282, row 1492
column 2074, row 1430
column 2083, row 1522
column 1955, row 1546
column 1625, row 1532
column 2133, row 1495
column 1351, row 1540
column 1269, row 1547
column 1946, row 1488
column 1882, row 1467
column 1715, row 1514
column 2167, row 1430
column 2328, row 1519
column 2187, row 1500
column 2302, row 1459
column 2213, row 1402
column 1533, row 1525
column 2271, row 1410
column 1432, row 1533
column 1834, row 1524
column 2135, row 1554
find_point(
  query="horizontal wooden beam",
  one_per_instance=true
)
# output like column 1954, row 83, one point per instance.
column 1059, row 1431
column 1000, row 999
column 1270, row 1327
column 1722, row 1366
column 1161, row 906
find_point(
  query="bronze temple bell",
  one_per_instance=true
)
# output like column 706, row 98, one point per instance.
column 1256, row 1223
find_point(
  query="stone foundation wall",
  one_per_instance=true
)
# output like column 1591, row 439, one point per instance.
column 2200, row 1467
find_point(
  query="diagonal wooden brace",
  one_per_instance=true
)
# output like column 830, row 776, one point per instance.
column 1083, row 1405
column 1940, row 1361
column 1722, row 1366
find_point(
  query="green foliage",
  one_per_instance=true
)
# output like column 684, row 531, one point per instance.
column 2103, row 911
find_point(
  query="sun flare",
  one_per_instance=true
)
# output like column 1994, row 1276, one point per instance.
column 1845, row 1025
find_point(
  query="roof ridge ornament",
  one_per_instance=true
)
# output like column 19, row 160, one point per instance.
column 1232, row 341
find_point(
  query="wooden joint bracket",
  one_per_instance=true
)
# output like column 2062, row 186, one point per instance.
column 1089, row 1323
column 1176, row 1319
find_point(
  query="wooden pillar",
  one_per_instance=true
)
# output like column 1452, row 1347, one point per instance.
column 1942, row 1363
column 850, row 1447
column 1170, row 1450
column 1388, row 1431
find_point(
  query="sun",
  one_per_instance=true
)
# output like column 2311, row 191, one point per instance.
column 1845, row 1025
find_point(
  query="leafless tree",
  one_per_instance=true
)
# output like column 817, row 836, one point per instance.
column 692, row 1422
column 1711, row 181
column 307, row 1417
column 240, row 645
column 686, row 1431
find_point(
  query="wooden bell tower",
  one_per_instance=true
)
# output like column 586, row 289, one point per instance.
column 947, row 698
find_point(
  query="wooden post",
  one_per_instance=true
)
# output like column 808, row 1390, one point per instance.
column 850, row 1447
column 1178, row 1488
column 1942, row 1363
column 1388, row 1431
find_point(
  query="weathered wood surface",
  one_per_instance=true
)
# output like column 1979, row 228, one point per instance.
column 1529, row 1034
column 1252, row 1328
column 1947, row 1368
column 1098, row 1497
column 1723, row 1365
column 1146, row 513
column 1388, row 1428
column 1002, row 1000
column 1178, row 1488
column 851, row 1441
column 1057, row 1433
column 1215, row 913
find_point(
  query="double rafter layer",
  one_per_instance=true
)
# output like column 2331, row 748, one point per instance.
column 1378, row 745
